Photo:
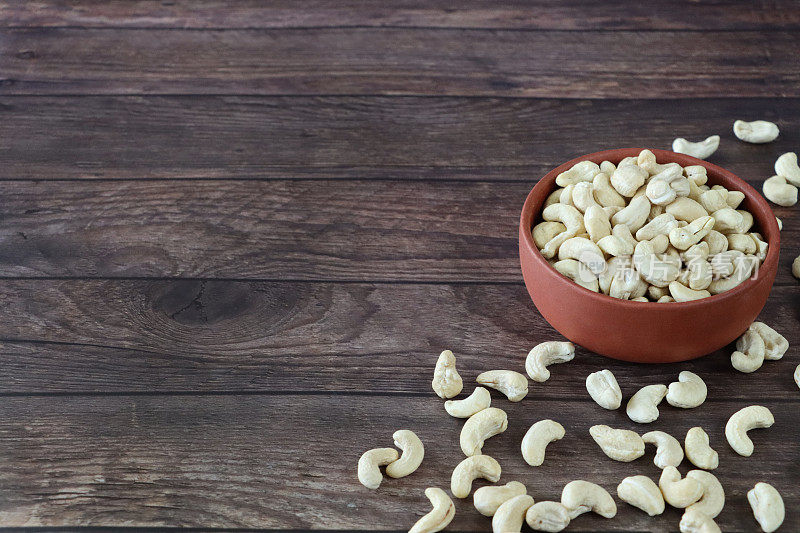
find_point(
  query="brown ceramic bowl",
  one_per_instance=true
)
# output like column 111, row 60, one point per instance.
column 638, row 331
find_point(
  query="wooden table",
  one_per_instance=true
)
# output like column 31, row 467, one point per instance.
column 235, row 239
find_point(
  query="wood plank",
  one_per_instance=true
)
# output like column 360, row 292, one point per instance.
column 290, row 461
column 288, row 230
column 361, row 137
column 401, row 62
column 540, row 14
column 179, row 336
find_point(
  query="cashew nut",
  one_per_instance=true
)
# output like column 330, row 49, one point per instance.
column 682, row 293
column 668, row 450
column 627, row 179
column 775, row 344
column 643, row 406
column 553, row 198
column 767, row 505
column 470, row 469
column 699, row 451
column 548, row 516
column 566, row 195
column 582, row 171
column 647, row 160
column 512, row 384
column 779, row 191
column 698, row 274
column 413, row 453
column 479, row 400
column 742, row 421
column 608, row 167
column 694, row 521
column 545, row 354
column 446, row 381
column 584, row 251
column 756, row 132
column 642, row 493
column 660, row 243
column 619, row 444
column 660, row 225
column 583, row 196
column 694, row 232
column 597, row 223
column 577, row 272
column 717, row 242
column 667, row 185
column 727, row 220
column 761, row 246
column 583, row 496
column 743, row 269
column 688, row 392
column 511, row 514
column 735, row 198
column 604, row 389
column 679, row 492
column 479, row 427
column 488, row 499
column 750, row 351
column 701, row 150
column 537, row 438
column 615, row 246
column 544, row 232
column 627, row 284
column 713, row 499
column 654, row 270
column 440, row 516
column 369, row 472
column 796, row 267
column 796, row 375
column 786, row 166
column 686, row 209
column 697, row 174
column 617, row 267
column 572, row 220
column 634, row 215
column 742, row 242
column 605, row 193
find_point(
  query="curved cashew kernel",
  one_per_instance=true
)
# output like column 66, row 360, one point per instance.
column 548, row 516
column 713, row 200
column 688, row 392
column 582, row 171
column 369, row 472
column 660, row 243
column 619, row 444
column 657, row 292
column 627, row 179
column 643, row 406
column 701, row 150
column 653, row 269
column 604, row 389
column 742, row 421
column 597, row 223
column 694, row 232
column 512, row 384
column 767, row 505
column 544, row 232
column 634, row 215
column 786, row 166
column 713, row 499
column 779, row 191
column 750, row 351
column 413, row 453
column 697, row 252
column 470, row 469
column 699, row 451
column 734, row 199
column 647, row 160
column 742, row 242
column 582, row 496
column 553, row 198
column 511, row 514
column 446, row 380
column 668, row 450
column 686, row 209
column 679, row 492
column 660, row 225
column 727, row 220
column 694, row 521
column 756, row 132
column 722, row 264
column 761, row 245
column 699, row 274
column 744, row 225
column 440, row 516
column 566, row 195
column 583, row 196
column 614, row 246
column 566, row 214
column 577, row 272
column 584, row 251
column 488, row 499
column 627, row 284
column 624, row 232
column 479, row 427
column 617, row 266
column 605, row 193
column 775, row 344
column 642, row 493
column 537, row 438
column 796, row 267
column 547, row 353
column 717, row 242
column 682, row 293
column 697, row 174
column 667, row 185
column 479, row 400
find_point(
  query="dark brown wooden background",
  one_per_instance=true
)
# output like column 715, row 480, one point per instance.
column 234, row 236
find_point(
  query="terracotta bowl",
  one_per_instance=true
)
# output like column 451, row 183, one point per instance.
column 638, row 331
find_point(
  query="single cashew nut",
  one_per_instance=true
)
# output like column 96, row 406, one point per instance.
column 511, row 514
column 634, row 215
column 470, row 469
column 667, row 185
column 583, row 496
column 728, row 220
column 544, row 232
column 479, row 427
column 583, row 196
column 713, row 499
column 796, row 267
column 413, row 453
column 686, row 209
column 717, row 242
column 627, row 284
column 682, row 293
column 446, row 381
column 642, row 493
column 545, row 354
column 647, row 160
column 697, row 174
column 604, row 389
column 479, row 400
column 668, row 449
column 512, row 384
column 688, row 392
column 577, row 272
column 742, row 421
column 584, row 251
column 488, row 499
column 679, row 492
column 627, row 179
column 547, row 516
column 756, row 132
column 655, row 270
column 537, row 438
column 643, row 406
column 701, row 150
column 699, row 451
column 750, row 351
column 615, row 246
column 619, row 444
column 582, row 171
column 767, row 505
column 694, row 521
column 742, row 242
column 775, row 344
column 597, row 223
column 572, row 220
column 694, row 232
column 604, row 192
column 779, row 191
column 440, row 516
column 786, row 166
column 369, row 472
column 660, row 225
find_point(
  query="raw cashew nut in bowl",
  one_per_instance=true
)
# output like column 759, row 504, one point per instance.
column 488, row 499
column 446, row 380
column 511, row 514
column 545, row 354
column 440, row 516
column 548, row 516
column 767, row 505
column 479, row 400
column 537, row 438
column 604, row 389
column 713, row 499
column 694, row 521
column 479, row 427
column 413, row 453
column 643, row 493
column 470, row 469
column 699, row 451
column 369, row 472
column 688, row 392
column 512, row 384
column 583, row 496
column 742, row 421
column 756, row 132
column 701, row 150
column 679, row 492
column 618, row 444
column 643, row 406
column 582, row 171
column 668, row 449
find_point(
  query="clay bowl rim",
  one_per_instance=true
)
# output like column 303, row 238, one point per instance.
column 528, row 216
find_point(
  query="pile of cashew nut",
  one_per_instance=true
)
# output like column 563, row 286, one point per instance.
column 645, row 231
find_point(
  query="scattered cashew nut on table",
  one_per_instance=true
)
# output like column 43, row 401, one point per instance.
column 618, row 444
column 786, row 166
column 643, row 406
column 583, row 496
column 537, row 438
column 742, row 421
column 479, row 400
column 688, row 392
column 604, row 389
column 548, row 516
column 701, row 150
column 369, row 472
column 545, row 354
column 440, row 516
column 779, row 191
column 479, row 427
column 669, row 451
column 488, row 499
column 679, row 492
column 511, row 514
column 642, row 493
column 767, row 505
column 756, row 132
column 470, row 469
column 413, row 453
column 712, row 501
column 694, row 521
column 512, row 384
column 699, row 451
column 446, row 380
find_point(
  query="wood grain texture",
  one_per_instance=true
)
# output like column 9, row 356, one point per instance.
column 234, row 461
column 180, row 336
column 368, row 61
column 362, row 137
column 288, row 230
column 540, row 14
